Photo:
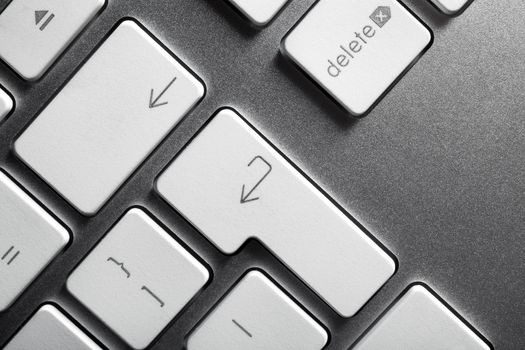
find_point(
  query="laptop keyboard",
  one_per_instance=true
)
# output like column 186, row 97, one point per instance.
column 230, row 182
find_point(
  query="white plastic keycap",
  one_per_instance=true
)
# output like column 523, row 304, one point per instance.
column 137, row 279
column 6, row 104
column 356, row 49
column 109, row 118
column 259, row 12
column 420, row 321
column 50, row 329
column 450, row 7
column 35, row 32
column 232, row 185
column 29, row 239
column 257, row 315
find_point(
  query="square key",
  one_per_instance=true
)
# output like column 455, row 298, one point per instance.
column 50, row 329
column 109, row 117
column 417, row 321
column 356, row 50
column 257, row 315
column 34, row 33
column 137, row 279
column 451, row 7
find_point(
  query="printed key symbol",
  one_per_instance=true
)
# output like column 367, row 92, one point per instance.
column 7, row 255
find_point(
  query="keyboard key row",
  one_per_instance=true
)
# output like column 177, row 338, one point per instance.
column 258, row 315
column 138, row 278
column 261, row 13
column 355, row 71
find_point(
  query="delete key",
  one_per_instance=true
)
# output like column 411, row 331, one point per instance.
column 357, row 49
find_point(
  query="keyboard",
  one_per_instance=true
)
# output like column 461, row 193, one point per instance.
column 144, row 206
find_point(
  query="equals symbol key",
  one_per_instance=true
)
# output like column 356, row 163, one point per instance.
column 7, row 255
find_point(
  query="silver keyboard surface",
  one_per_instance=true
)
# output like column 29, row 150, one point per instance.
column 192, row 174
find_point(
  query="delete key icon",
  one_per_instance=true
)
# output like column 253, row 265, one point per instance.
column 381, row 16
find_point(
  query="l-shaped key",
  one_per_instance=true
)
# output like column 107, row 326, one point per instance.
column 232, row 186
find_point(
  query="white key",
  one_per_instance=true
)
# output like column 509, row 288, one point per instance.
column 109, row 118
column 420, row 321
column 233, row 186
column 35, row 32
column 450, row 7
column 257, row 315
column 356, row 49
column 29, row 239
column 6, row 104
column 259, row 12
column 50, row 329
column 137, row 279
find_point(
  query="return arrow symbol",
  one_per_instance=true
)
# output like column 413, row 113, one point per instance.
column 154, row 103
column 245, row 198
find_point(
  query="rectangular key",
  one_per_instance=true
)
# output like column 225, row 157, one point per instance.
column 107, row 120
column 451, row 7
column 137, row 279
column 257, row 315
column 259, row 12
column 6, row 104
column 232, row 185
column 29, row 239
column 50, row 329
column 420, row 321
column 35, row 32
column 357, row 49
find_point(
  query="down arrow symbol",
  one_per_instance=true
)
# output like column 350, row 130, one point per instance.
column 154, row 102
